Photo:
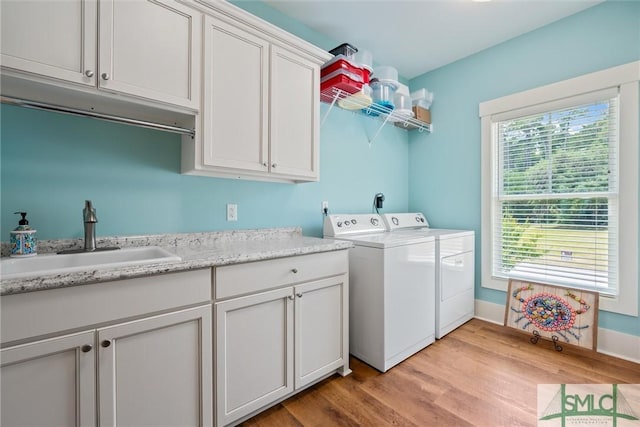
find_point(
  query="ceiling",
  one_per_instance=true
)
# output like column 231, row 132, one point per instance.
column 420, row 35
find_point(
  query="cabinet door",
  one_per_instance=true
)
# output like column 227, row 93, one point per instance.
column 51, row 38
column 295, row 103
column 254, row 352
column 235, row 114
column 49, row 382
column 321, row 332
column 151, row 48
column 157, row 371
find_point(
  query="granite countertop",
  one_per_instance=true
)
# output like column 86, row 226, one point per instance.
column 197, row 250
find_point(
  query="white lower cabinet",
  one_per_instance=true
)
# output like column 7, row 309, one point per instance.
column 49, row 382
column 150, row 371
column 320, row 339
column 254, row 351
column 155, row 370
column 148, row 352
column 271, row 344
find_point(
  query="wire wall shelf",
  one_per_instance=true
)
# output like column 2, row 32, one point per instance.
column 361, row 105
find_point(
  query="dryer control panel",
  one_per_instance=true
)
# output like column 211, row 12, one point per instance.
column 397, row 221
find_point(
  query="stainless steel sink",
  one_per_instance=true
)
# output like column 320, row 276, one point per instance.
column 13, row 268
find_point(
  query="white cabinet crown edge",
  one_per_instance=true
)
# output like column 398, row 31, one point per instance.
column 233, row 15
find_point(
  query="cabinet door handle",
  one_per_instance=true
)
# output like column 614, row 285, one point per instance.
column 86, row 348
column 294, row 270
column 105, row 76
column 88, row 73
column 265, row 164
column 290, row 297
column 273, row 165
column 105, row 343
column 299, row 294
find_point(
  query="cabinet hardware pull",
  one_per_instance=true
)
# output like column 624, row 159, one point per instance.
column 105, row 343
column 290, row 297
column 294, row 270
column 299, row 294
column 105, row 76
column 265, row 164
column 88, row 73
column 86, row 348
column 274, row 165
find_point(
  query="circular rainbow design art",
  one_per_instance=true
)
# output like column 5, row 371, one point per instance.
column 549, row 312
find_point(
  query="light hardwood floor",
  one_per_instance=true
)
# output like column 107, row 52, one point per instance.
column 481, row 374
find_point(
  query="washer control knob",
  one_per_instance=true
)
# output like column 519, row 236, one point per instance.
column 347, row 223
column 354, row 222
column 339, row 224
column 374, row 221
column 395, row 220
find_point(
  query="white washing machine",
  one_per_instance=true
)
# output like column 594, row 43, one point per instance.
column 391, row 289
column 455, row 268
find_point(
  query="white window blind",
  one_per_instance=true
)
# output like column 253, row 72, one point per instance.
column 555, row 195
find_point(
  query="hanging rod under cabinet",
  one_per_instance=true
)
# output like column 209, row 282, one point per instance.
column 83, row 113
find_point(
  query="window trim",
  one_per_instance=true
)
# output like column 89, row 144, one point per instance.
column 625, row 77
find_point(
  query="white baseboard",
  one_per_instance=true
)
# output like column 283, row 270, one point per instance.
column 490, row 312
column 610, row 342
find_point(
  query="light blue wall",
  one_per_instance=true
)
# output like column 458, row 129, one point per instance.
column 445, row 166
column 51, row 163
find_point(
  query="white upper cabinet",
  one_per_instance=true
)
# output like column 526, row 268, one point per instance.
column 51, row 38
column 150, row 49
column 236, row 97
column 294, row 107
column 249, row 90
column 146, row 48
column 260, row 111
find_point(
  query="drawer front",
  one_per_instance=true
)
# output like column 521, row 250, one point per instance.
column 45, row 312
column 456, row 244
column 241, row 279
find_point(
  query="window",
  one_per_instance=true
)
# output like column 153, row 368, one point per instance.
column 555, row 196
column 560, row 187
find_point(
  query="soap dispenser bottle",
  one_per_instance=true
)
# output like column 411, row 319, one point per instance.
column 23, row 238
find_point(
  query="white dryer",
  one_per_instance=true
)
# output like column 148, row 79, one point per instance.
column 455, row 268
column 391, row 289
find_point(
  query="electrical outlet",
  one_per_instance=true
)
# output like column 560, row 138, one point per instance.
column 325, row 207
column 232, row 212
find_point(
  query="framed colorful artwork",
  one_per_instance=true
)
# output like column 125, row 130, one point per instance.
column 560, row 314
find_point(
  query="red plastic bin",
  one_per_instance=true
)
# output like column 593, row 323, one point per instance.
column 340, row 81
column 340, row 62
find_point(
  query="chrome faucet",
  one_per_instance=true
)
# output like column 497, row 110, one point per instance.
column 90, row 220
